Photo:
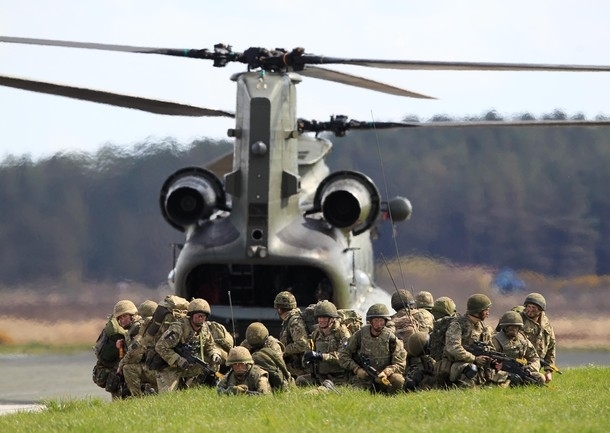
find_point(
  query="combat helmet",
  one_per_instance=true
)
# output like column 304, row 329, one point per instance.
column 418, row 343
column 424, row 300
column 147, row 308
column 239, row 354
column 378, row 310
column 256, row 334
column 443, row 307
column 509, row 318
column 124, row 307
column 285, row 300
column 199, row 305
column 401, row 298
column 536, row 299
column 325, row 309
column 477, row 303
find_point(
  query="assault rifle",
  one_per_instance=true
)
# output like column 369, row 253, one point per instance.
column 514, row 367
column 365, row 363
column 548, row 366
column 187, row 351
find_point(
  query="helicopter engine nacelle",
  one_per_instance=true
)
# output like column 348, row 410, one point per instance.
column 398, row 209
column 348, row 200
column 190, row 195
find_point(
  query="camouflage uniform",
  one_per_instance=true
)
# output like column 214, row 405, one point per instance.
column 425, row 319
column 463, row 332
column 223, row 340
column 178, row 333
column 517, row 348
column 294, row 336
column 419, row 372
column 255, row 381
column 108, row 356
column 135, row 372
column 540, row 333
column 270, row 342
column 244, row 377
column 329, row 346
column 383, row 357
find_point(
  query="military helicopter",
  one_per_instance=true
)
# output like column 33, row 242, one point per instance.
column 278, row 219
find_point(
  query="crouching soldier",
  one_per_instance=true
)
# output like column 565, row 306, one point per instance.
column 420, row 365
column 189, row 331
column 510, row 341
column 374, row 355
column 245, row 377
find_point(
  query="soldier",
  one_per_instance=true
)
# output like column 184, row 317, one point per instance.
column 326, row 340
column 245, row 377
column 408, row 319
column 444, row 312
column 138, row 378
column 375, row 356
column 515, row 345
column 464, row 368
column 293, row 334
column 189, row 330
column 419, row 373
column 424, row 303
column 110, row 348
column 267, row 353
column 539, row 331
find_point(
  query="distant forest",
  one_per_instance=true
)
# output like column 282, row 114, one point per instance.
column 528, row 198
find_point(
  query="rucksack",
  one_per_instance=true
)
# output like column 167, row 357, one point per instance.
column 437, row 337
column 270, row 361
column 172, row 308
column 405, row 325
column 222, row 337
column 351, row 319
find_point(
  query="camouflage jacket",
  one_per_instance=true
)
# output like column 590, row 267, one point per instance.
column 293, row 334
column 518, row 347
column 541, row 335
column 378, row 350
column 256, row 379
column 329, row 345
column 134, row 352
column 271, row 342
column 181, row 332
column 463, row 332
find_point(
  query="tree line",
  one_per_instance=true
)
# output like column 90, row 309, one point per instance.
column 528, row 198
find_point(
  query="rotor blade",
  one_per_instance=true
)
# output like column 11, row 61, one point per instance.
column 179, row 52
column 506, row 123
column 339, row 125
column 135, row 102
column 432, row 65
column 353, row 80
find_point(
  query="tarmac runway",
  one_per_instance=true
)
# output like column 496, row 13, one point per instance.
column 26, row 381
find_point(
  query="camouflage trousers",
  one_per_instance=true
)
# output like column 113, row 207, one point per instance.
column 138, row 376
column 396, row 380
column 172, row 378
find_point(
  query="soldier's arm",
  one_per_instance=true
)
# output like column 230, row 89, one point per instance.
column 453, row 344
column 399, row 358
column 168, row 340
column 298, row 332
column 347, row 351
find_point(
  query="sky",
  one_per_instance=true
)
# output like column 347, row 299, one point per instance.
column 565, row 32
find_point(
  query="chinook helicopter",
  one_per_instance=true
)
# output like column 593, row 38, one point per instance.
column 271, row 216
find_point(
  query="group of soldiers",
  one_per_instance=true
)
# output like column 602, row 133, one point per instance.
column 426, row 344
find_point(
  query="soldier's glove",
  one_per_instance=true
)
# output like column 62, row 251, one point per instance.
column 361, row 373
column 183, row 364
column 312, row 356
column 216, row 358
column 481, row 360
column 240, row 389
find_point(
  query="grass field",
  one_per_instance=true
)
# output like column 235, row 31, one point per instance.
column 577, row 401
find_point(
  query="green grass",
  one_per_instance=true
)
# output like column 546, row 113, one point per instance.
column 577, row 401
